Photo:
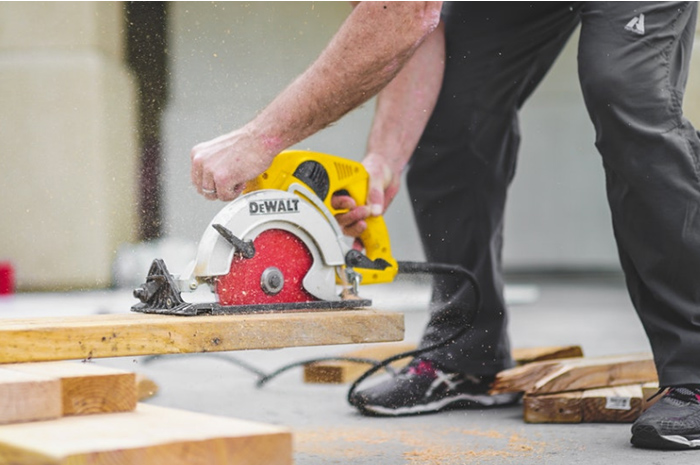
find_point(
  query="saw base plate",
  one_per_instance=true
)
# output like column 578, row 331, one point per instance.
column 189, row 309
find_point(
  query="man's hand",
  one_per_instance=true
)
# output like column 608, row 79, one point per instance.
column 222, row 166
column 384, row 183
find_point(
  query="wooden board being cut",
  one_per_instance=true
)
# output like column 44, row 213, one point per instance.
column 131, row 334
column 148, row 436
column 575, row 374
column 87, row 388
column 28, row 397
column 619, row 404
column 340, row 371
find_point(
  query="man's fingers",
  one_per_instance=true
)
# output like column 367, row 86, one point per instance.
column 231, row 194
column 355, row 229
column 343, row 202
column 352, row 216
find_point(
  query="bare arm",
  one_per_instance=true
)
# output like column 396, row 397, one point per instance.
column 368, row 51
column 403, row 110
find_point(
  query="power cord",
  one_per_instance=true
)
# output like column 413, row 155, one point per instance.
column 470, row 314
column 404, row 268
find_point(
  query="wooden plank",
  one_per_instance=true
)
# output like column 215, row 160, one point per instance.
column 575, row 374
column 619, row 404
column 28, row 397
column 562, row 407
column 131, row 334
column 339, row 372
column 147, row 436
column 538, row 354
column 87, row 388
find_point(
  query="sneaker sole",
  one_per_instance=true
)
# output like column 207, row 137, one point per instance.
column 461, row 401
column 647, row 437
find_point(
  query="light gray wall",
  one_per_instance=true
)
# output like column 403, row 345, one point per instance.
column 229, row 59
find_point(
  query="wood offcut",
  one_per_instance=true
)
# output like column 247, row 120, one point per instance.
column 576, row 374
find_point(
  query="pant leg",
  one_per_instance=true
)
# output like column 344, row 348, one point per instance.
column 633, row 71
column 497, row 53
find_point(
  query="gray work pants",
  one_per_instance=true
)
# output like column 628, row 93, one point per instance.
column 633, row 84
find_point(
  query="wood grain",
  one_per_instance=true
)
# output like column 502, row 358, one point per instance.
column 524, row 355
column 28, row 397
column 562, row 407
column 618, row 404
column 575, row 374
column 147, row 436
column 87, row 388
column 65, row 338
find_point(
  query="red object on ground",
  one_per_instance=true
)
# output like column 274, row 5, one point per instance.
column 274, row 247
column 7, row 278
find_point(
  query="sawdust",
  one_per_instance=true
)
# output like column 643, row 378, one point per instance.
column 446, row 446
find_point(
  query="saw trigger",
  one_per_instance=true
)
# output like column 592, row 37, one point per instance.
column 356, row 259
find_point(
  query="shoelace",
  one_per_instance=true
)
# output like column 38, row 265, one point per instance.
column 686, row 394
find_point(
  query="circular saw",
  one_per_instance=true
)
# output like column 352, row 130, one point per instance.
column 278, row 246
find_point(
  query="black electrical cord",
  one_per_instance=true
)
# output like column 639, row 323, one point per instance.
column 435, row 269
column 404, row 268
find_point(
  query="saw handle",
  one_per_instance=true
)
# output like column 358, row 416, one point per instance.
column 375, row 238
column 326, row 175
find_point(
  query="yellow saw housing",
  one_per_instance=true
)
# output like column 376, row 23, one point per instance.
column 326, row 175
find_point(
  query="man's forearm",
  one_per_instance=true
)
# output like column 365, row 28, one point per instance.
column 405, row 105
column 368, row 51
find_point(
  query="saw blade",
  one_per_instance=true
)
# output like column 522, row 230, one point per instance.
column 274, row 274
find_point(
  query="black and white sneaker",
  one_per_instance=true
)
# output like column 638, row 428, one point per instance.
column 673, row 422
column 422, row 387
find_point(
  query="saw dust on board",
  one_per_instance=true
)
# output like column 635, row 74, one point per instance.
column 447, row 446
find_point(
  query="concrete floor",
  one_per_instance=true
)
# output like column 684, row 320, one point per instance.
column 594, row 313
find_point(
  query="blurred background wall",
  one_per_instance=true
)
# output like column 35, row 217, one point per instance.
column 102, row 102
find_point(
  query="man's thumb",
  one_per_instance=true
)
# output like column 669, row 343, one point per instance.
column 375, row 198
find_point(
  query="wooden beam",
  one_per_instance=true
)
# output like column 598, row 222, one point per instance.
column 28, row 397
column 525, row 355
column 575, row 374
column 561, row 407
column 131, row 334
column 87, row 388
column 619, row 404
column 148, row 436
column 340, row 372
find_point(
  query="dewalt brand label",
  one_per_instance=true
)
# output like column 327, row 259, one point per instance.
column 273, row 206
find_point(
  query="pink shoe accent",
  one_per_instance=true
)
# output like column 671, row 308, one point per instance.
column 423, row 368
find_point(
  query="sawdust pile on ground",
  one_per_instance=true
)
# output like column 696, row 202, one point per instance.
column 446, row 446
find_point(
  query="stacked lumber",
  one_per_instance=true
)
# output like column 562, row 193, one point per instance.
column 66, row 413
column 588, row 389
column 72, row 412
column 342, row 371
column 43, row 391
